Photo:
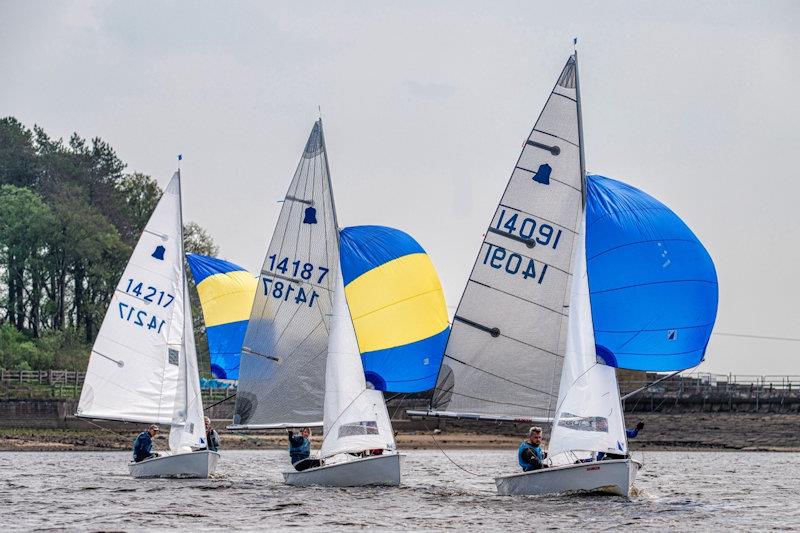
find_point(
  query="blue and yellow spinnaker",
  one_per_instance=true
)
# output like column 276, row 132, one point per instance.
column 226, row 294
column 397, row 306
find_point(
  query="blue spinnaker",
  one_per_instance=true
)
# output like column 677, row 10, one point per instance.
column 653, row 285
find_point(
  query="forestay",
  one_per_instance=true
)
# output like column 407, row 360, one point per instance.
column 135, row 369
column 504, row 355
column 356, row 418
column 283, row 355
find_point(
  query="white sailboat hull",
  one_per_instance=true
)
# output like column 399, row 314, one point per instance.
column 615, row 476
column 189, row 464
column 373, row 470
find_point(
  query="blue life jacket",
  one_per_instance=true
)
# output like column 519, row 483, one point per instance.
column 299, row 448
column 525, row 445
column 142, row 447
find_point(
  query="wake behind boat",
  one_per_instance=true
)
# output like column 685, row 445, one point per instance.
column 143, row 365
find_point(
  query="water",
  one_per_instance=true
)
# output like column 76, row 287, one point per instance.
column 675, row 490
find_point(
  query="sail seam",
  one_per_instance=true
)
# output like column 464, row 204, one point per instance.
column 657, row 329
column 556, row 137
column 656, row 283
column 552, row 179
column 516, row 296
column 694, row 241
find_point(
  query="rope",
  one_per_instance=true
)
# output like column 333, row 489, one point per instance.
column 451, row 460
column 219, row 402
column 106, row 429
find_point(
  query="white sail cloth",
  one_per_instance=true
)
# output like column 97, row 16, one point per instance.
column 589, row 412
column 355, row 417
column 143, row 365
column 188, row 401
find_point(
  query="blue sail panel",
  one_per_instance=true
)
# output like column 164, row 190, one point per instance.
column 397, row 306
column 652, row 284
column 226, row 295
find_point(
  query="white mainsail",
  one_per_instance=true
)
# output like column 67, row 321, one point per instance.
column 143, row 365
column 504, row 354
column 355, row 417
column 589, row 413
column 283, row 356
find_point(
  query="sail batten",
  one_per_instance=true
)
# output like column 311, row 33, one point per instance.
column 281, row 377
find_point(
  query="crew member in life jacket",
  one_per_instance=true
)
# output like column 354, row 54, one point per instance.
column 143, row 445
column 530, row 454
column 300, row 450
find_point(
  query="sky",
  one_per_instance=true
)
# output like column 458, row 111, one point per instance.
column 425, row 107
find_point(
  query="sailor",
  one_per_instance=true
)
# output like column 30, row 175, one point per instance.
column 631, row 434
column 530, row 454
column 143, row 445
column 212, row 438
column 300, row 450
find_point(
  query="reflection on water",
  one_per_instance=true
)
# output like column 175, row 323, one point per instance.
column 675, row 490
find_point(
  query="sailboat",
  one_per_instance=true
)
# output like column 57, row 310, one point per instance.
column 542, row 324
column 143, row 365
column 388, row 326
column 355, row 416
column 282, row 364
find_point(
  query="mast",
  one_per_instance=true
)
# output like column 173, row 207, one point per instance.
column 580, row 128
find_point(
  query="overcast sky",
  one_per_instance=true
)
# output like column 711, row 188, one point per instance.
column 426, row 106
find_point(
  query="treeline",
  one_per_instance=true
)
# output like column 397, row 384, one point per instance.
column 69, row 218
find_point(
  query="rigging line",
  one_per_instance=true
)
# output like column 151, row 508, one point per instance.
column 558, row 405
column 430, row 432
column 765, row 337
column 446, row 391
column 343, row 411
column 106, row 429
column 497, row 375
column 219, row 402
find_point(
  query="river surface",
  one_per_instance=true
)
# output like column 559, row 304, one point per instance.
column 675, row 490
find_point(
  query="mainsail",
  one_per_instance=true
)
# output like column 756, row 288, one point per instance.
column 504, row 355
column 282, row 367
column 143, row 365
column 356, row 418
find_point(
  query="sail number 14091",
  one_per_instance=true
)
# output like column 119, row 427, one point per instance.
column 513, row 263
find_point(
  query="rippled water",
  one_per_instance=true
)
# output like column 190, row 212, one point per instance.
column 675, row 490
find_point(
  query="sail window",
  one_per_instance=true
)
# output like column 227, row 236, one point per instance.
column 367, row 427
column 583, row 423
column 173, row 356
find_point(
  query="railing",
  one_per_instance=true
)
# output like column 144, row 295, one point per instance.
column 43, row 377
column 716, row 392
